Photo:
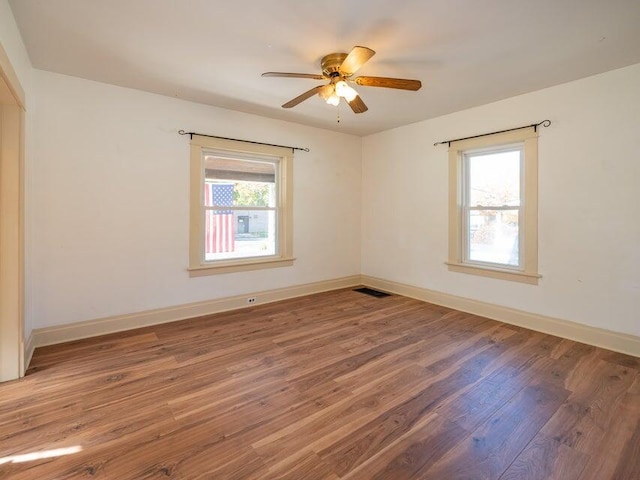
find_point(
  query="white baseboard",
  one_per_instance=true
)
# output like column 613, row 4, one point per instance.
column 101, row 326
column 29, row 348
column 597, row 337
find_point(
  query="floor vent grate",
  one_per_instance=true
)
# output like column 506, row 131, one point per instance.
column 372, row 292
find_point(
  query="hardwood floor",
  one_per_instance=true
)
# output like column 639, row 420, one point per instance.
column 338, row 385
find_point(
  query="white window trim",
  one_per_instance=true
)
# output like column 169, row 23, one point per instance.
column 284, row 235
column 528, row 271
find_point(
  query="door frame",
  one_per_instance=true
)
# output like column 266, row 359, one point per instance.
column 12, row 141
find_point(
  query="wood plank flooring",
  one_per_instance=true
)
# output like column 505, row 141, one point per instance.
column 338, row 385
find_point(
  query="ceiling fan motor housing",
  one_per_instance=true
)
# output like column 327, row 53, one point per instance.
column 331, row 64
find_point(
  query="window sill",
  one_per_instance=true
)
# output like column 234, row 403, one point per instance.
column 239, row 266
column 498, row 273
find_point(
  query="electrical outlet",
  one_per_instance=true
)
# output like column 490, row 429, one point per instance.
column 251, row 300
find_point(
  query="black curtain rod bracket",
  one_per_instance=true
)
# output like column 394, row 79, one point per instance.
column 191, row 134
column 544, row 123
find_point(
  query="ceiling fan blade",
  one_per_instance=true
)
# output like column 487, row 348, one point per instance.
column 401, row 83
column 357, row 105
column 357, row 57
column 294, row 75
column 303, row 97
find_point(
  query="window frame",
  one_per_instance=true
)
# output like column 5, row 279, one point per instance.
column 283, row 158
column 527, row 270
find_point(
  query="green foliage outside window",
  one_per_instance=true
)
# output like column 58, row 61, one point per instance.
column 251, row 194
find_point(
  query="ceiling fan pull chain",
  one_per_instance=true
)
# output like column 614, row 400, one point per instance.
column 338, row 113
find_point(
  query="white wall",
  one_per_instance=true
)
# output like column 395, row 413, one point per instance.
column 589, row 208
column 111, row 183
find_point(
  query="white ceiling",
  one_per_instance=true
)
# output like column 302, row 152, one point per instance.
column 465, row 52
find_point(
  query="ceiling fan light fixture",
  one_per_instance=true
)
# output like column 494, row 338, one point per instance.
column 326, row 91
column 333, row 99
column 344, row 90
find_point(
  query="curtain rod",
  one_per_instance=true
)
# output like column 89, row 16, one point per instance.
column 191, row 134
column 544, row 123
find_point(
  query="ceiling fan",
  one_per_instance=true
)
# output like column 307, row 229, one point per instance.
column 339, row 68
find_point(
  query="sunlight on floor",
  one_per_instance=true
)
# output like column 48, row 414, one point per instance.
column 29, row 457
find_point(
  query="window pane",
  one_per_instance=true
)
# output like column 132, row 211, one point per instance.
column 494, row 179
column 493, row 236
column 241, row 183
column 239, row 233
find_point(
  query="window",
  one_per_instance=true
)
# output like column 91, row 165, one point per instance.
column 241, row 208
column 493, row 206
